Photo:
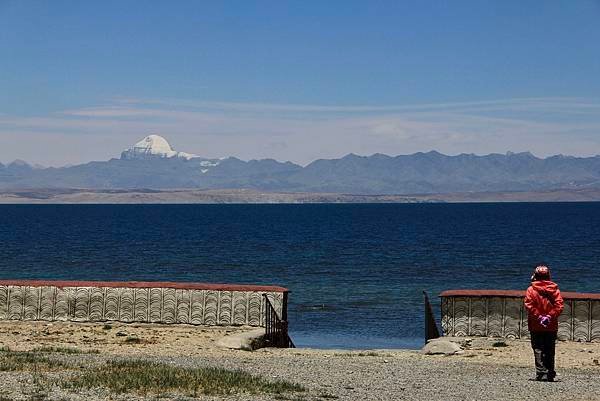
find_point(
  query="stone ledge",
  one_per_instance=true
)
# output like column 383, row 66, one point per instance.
column 247, row 341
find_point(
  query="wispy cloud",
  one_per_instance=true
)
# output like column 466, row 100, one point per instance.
column 302, row 133
column 565, row 104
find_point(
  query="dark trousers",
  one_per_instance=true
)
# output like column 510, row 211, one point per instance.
column 543, row 344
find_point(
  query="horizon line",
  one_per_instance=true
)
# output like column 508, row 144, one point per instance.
column 509, row 153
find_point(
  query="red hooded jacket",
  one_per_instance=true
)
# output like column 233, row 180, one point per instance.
column 543, row 298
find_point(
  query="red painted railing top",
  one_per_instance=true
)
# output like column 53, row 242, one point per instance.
column 511, row 293
column 146, row 284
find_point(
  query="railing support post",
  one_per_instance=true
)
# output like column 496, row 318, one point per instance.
column 431, row 329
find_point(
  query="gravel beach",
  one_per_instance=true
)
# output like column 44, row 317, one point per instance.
column 483, row 371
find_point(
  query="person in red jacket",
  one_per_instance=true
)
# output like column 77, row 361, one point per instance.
column 544, row 304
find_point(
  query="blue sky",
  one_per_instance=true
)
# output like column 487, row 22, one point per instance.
column 298, row 80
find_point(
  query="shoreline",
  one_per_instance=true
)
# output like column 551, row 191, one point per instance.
column 250, row 196
column 188, row 340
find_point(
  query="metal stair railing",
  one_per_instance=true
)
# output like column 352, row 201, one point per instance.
column 276, row 329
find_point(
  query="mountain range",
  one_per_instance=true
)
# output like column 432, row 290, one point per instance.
column 153, row 164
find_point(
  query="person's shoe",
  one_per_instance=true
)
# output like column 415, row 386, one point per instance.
column 541, row 378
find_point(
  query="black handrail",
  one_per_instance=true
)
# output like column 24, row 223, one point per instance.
column 276, row 329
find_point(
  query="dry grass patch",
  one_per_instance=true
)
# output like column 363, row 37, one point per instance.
column 137, row 340
column 27, row 360
column 133, row 340
column 158, row 378
column 64, row 350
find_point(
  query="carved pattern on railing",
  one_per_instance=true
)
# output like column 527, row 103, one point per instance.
column 96, row 304
column 581, row 318
column 111, row 304
column 15, row 303
column 197, row 306
column 495, row 313
column 211, row 304
column 3, row 302
column 461, row 316
column 478, row 313
column 183, row 306
column 512, row 317
column 240, row 306
column 126, row 305
column 506, row 316
column 254, row 309
column 565, row 322
column 151, row 305
column 226, row 307
column 168, row 306
column 141, row 305
column 447, row 324
column 595, row 322
column 31, row 299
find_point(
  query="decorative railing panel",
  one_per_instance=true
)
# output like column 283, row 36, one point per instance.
column 144, row 302
column 46, row 305
column 447, row 315
column 494, row 316
column 479, row 321
column 3, row 303
column 497, row 313
column 595, row 322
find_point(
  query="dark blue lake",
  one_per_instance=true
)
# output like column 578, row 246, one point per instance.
column 356, row 272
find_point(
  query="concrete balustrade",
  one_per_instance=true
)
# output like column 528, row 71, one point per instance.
column 498, row 313
column 143, row 302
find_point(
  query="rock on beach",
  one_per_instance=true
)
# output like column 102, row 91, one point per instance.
column 441, row 346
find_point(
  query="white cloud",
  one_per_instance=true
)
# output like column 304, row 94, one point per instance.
column 302, row 133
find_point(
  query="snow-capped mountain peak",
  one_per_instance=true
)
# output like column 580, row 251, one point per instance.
column 153, row 146
column 19, row 164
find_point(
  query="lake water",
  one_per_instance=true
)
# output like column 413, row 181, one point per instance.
column 355, row 272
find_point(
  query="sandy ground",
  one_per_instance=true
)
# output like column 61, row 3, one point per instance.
column 116, row 338
column 483, row 371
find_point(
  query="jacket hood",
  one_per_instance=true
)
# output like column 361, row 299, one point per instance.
column 545, row 286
